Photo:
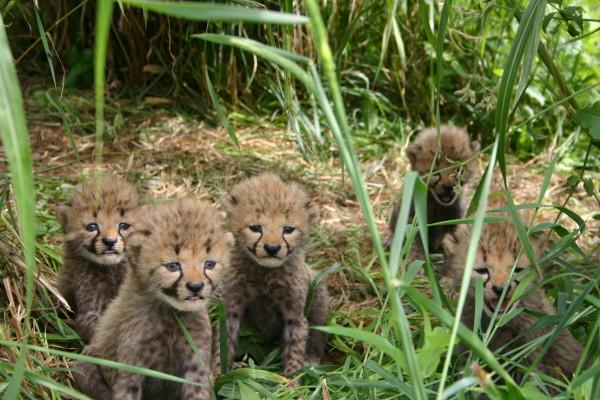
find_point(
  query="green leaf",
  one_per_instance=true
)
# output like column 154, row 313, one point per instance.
column 590, row 119
column 216, row 12
column 468, row 337
column 573, row 16
column 246, row 392
column 588, row 185
column 429, row 356
column 547, row 19
column 572, row 181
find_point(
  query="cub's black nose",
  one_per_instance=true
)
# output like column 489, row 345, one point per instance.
column 497, row 290
column 448, row 188
column 272, row 250
column 109, row 241
column 195, row 287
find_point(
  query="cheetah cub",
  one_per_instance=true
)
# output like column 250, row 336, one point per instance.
column 444, row 201
column 176, row 257
column 498, row 251
column 96, row 222
column 268, row 279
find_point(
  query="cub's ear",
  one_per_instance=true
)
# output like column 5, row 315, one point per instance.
column 540, row 244
column 312, row 207
column 229, row 203
column 136, row 213
column 475, row 146
column 133, row 253
column 62, row 213
column 449, row 243
column 229, row 239
column 412, row 152
column 452, row 240
column 133, row 245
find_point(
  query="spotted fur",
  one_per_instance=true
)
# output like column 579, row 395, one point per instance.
column 99, row 217
column 444, row 201
column 268, row 280
column 177, row 257
column 497, row 253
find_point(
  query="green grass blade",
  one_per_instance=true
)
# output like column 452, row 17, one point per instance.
column 15, row 140
column 524, row 45
column 216, row 12
column 573, row 308
column 316, row 281
column 371, row 339
column 272, row 54
column 400, row 229
column 446, row 9
column 520, row 43
column 55, row 386
column 530, row 50
column 103, row 20
column 339, row 125
column 470, row 260
column 45, row 45
column 106, row 363
column 220, row 111
column 190, row 340
column 249, row 374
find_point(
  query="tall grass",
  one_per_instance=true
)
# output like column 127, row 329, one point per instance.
column 15, row 139
column 400, row 356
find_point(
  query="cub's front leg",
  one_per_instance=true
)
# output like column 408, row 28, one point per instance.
column 89, row 378
column 196, row 365
column 90, row 305
column 142, row 351
column 235, row 306
column 295, row 333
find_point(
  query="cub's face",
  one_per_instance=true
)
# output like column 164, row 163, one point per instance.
column 97, row 234
column 497, row 254
column 270, row 219
column 451, row 170
column 186, row 278
column 271, row 239
column 495, row 271
column 180, row 253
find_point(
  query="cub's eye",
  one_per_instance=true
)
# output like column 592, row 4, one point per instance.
column 173, row 266
column 517, row 270
column 209, row 264
column 255, row 228
column 91, row 227
column 123, row 226
column 288, row 229
column 482, row 271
